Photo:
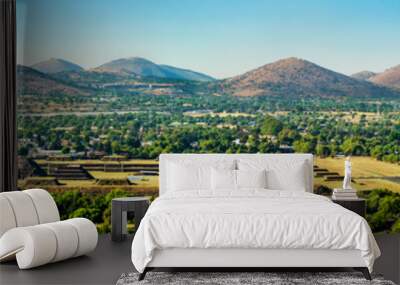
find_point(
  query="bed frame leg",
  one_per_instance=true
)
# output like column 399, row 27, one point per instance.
column 364, row 271
column 143, row 274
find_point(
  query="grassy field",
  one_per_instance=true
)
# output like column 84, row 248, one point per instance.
column 111, row 175
column 367, row 172
column 355, row 117
column 97, row 161
column 148, row 182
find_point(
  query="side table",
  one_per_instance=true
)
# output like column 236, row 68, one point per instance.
column 120, row 207
column 357, row 205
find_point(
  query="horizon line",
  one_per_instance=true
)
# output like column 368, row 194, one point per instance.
column 172, row 65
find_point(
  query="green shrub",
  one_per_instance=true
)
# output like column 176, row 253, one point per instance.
column 322, row 190
column 396, row 226
column 383, row 210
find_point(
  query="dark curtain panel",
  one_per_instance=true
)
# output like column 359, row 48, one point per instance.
column 8, row 130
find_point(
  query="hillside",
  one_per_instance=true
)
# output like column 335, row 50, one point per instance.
column 31, row 81
column 297, row 77
column 390, row 77
column 55, row 65
column 145, row 68
column 89, row 79
column 363, row 75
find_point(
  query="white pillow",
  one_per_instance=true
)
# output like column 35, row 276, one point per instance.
column 281, row 174
column 230, row 180
column 223, row 179
column 191, row 175
column 183, row 178
column 284, row 179
column 251, row 178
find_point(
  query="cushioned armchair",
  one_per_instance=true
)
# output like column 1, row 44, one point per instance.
column 31, row 230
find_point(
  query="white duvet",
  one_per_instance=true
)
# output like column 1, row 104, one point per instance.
column 250, row 219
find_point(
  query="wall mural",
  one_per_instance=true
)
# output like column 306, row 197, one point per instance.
column 105, row 87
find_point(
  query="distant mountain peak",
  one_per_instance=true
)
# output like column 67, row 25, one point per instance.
column 298, row 77
column 133, row 59
column 287, row 62
column 56, row 65
column 396, row 67
column 363, row 75
column 138, row 58
column 57, row 59
column 291, row 60
column 390, row 77
column 145, row 68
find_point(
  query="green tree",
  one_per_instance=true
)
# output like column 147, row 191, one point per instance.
column 271, row 126
column 303, row 146
column 115, row 147
column 322, row 150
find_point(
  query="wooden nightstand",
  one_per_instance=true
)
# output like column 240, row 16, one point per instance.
column 358, row 205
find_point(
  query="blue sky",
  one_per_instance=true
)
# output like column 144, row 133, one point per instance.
column 218, row 37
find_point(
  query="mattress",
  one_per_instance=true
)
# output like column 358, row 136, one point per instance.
column 251, row 219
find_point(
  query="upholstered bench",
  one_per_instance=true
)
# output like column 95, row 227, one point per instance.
column 31, row 230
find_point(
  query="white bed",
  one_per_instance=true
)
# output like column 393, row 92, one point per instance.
column 198, row 225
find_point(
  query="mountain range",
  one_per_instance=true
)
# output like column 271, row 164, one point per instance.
column 298, row 77
column 33, row 82
column 136, row 66
column 290, row 77
column 390, row 77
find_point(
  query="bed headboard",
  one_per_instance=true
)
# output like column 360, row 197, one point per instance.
column 205, row 158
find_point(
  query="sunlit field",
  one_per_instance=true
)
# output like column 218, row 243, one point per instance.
column 368, row 173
